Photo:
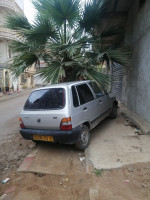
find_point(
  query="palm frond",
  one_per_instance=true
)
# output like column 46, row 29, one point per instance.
column 17, row 22
column 69, row 49
column 103, row 80
column 93, row 10
column 96, row 56
column 42, row 30
column 22, row 62
column 120, row 55
column 23, row 47
column 59, row 10
column 111, row 31
column 53, row 73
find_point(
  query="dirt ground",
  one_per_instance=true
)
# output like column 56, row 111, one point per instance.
column 13, row 150
column 127, row 183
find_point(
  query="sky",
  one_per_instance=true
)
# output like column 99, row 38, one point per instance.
column 30, row 11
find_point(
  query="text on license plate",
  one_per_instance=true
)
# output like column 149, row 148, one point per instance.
column 43, row 138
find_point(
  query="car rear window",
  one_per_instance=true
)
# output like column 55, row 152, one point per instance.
column 53, row 98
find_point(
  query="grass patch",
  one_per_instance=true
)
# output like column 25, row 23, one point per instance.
column 98, row 172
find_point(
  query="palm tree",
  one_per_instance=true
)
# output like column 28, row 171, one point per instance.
column 64, row 35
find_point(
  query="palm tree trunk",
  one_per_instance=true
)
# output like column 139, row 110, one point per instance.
column 65, row 30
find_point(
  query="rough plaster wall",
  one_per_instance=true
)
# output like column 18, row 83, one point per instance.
column 136, row 90
column 3, row 52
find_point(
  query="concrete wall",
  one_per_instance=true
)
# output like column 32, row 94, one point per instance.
column 3, row 51
column 136, row 90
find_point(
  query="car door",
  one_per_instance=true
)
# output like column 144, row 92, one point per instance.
column 85, row 110
column 103, row 101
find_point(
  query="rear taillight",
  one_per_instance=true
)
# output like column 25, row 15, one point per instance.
column 21, row 123
column 65, row 124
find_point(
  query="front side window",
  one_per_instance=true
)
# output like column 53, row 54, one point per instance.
column 98, row 92
column 53, row 98
column 85, row 94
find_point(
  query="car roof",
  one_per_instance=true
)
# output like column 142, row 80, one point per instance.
column 63, row 84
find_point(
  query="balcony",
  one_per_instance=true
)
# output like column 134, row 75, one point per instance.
column 11, row 4
column 7, row 34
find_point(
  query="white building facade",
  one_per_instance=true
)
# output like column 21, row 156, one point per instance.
column 7, row 7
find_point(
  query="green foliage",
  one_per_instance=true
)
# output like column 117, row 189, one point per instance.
column 98, row 172
column 92, row 13
column 64, row 36
column 18, row 22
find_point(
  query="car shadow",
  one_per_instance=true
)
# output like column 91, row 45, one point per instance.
column 57, row 146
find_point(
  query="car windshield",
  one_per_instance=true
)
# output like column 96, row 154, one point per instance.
column 53, row 98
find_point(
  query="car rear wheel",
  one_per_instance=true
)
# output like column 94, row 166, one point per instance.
column 84, row 138
column 113, row 114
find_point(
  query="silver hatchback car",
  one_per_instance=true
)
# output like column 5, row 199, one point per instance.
column 66, row 113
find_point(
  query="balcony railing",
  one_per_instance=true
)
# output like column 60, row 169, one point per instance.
column 7, row 34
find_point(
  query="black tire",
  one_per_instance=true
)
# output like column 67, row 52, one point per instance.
column 114, row 114
column 84, row 138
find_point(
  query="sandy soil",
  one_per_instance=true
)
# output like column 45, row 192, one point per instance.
column 13, row 150
column 128, row 183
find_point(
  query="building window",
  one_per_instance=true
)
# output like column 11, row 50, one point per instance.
column 141, row 3
column 23, row 79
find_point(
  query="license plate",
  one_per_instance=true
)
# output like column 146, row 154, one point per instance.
column 43, row 138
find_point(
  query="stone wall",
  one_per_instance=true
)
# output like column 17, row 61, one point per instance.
column 136, row 89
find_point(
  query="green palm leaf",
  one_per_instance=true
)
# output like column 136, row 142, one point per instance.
column 60, row 10
column 22, row 62
column 53, row 73
column 17, row 22
column 42, row 30
column 93, row 11
column 63, row 36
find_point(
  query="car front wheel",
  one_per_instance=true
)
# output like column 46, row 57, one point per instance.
column 84, row 138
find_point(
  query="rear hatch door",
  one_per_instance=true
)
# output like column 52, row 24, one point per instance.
column 44, row 109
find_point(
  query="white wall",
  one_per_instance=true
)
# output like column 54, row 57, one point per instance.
column 3, row 52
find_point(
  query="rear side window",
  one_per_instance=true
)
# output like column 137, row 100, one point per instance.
column 53, row 98
column 75, row 97
column 85, row 94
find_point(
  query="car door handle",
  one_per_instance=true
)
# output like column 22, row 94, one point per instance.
column 100, row 101
column 85, row 109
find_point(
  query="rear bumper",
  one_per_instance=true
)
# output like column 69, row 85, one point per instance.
column 65, row 137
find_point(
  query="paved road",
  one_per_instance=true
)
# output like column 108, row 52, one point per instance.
column 9, row 112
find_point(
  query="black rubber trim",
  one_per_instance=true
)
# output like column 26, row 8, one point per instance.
column 95, row 119
column 65, row 137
